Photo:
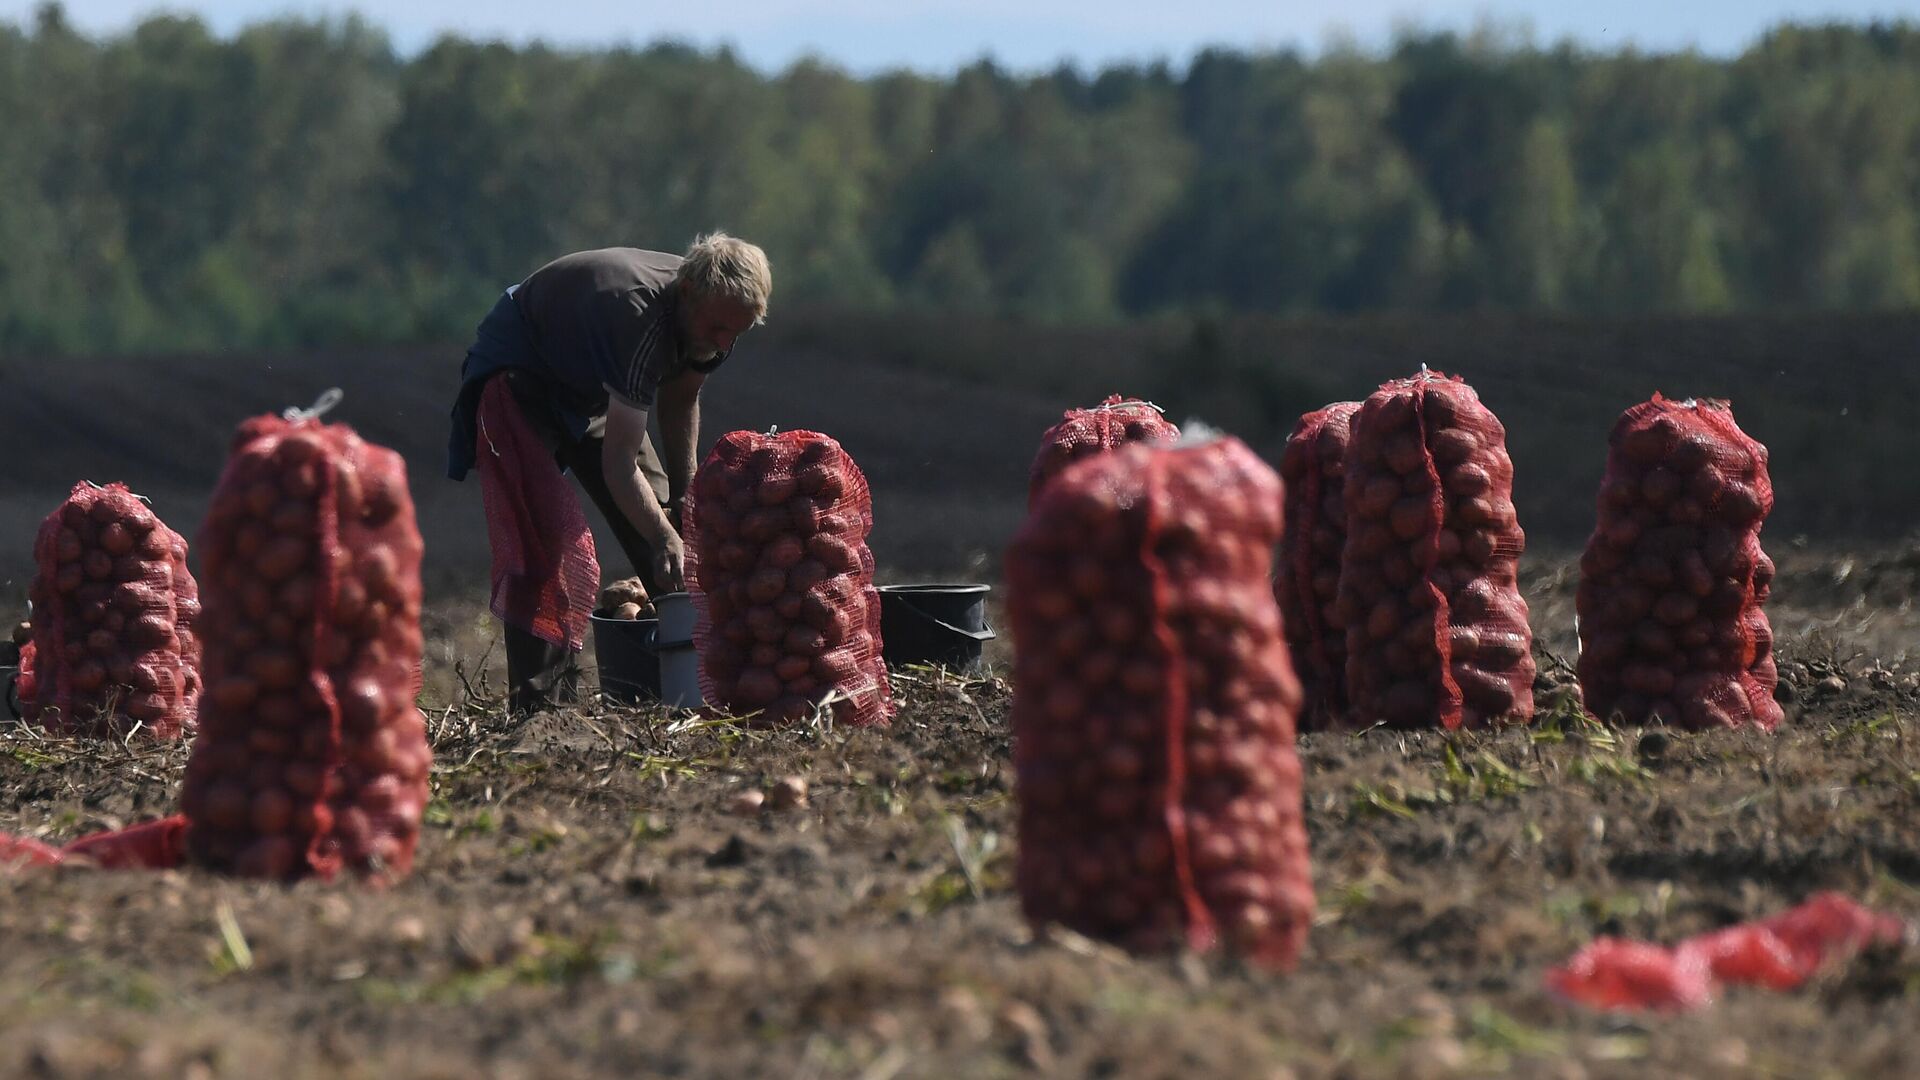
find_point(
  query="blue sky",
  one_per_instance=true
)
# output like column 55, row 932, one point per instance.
column 938, row 35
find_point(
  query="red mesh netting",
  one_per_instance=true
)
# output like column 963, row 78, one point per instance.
column 312, row 754
column 1154, row 706
column 1673, row 580
column 113, row 620
column 24, row 682
column 1437, row 632
column 545, row 569
column 1614, row 974
column 151, row 845
column 1778, row 953
column 1082, row 433
column 18, row 851
column 782, row 579
column 1307, row 580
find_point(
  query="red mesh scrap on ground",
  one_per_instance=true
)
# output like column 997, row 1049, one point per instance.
column 1081, row 433
column 1437, row 632
column 1154, row 706
column 18, row 851
column 152, row 845
column 1617, row 975
column 1779, row 953
column 782, row 580
column 114, row 608
column 1673, row 580
column 312, row 754
column 546, row 573
column 1307, row 579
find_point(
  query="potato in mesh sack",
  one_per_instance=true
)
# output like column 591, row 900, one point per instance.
column 1306, row 581
column 1437, row 632
column 786, row 613
column 1081, row 433
column 1674, row 580
column 312, row 756
column 113, row 644
column 1154, row 706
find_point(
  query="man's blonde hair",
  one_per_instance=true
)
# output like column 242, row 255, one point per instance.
column 722, row 265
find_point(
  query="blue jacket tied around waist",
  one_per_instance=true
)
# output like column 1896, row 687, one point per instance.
column 504, row 340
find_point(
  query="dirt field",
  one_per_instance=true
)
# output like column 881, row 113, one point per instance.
column 587, row 904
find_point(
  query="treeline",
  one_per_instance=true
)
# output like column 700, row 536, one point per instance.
column 302, row 183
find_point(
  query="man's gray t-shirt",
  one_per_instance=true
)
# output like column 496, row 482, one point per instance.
column 606, row 324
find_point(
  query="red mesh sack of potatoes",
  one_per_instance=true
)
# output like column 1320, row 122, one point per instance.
column 113, row 620
column 1673, row 579
column 1437, row 632
column 1154, row 706
column 312, row 754
column 1082, row 433
column 1307, row 580
column 777, row 559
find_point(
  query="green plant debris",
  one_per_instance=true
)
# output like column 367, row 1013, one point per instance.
column 32, row 757
column 482, row 823
column 541, row 840
column 1499, row 1033
column 1352, row 897
column 1568, row 721
column 232, row 953
column 659, row 766
column 1369, row 800
column 548, row 961
column 1482, row 777
column 982, row 866
column 648, row 827
column 1602, row 769
column 1884, row 726
column 1586, row 910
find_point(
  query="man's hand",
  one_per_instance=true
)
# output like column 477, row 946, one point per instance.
column 670, row 563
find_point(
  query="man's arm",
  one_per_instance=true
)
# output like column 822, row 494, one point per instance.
column 680, row 432
column 620, row 463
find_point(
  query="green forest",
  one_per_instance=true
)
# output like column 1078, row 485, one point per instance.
column 303, row 183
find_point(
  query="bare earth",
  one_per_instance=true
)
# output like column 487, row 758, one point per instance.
column 586, row 902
